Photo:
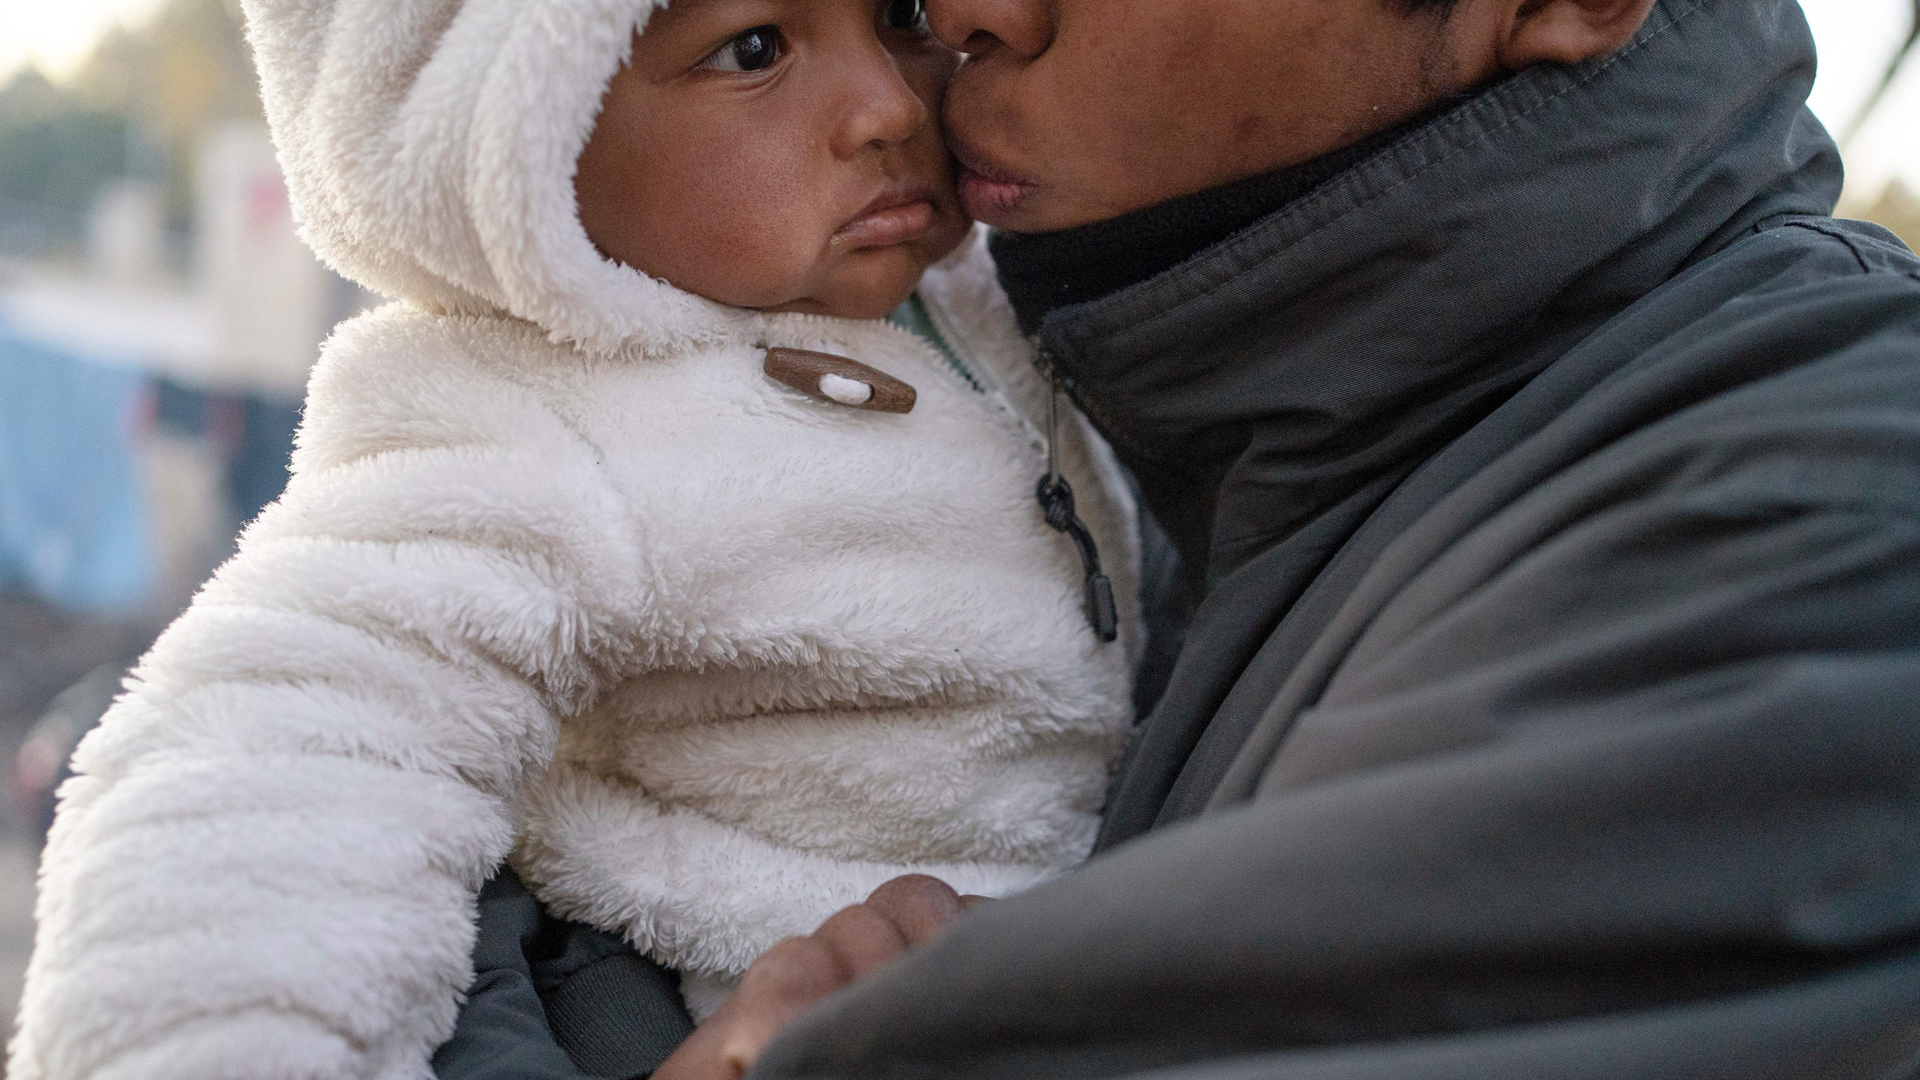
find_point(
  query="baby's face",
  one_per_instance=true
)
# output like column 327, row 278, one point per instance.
column 777, row 154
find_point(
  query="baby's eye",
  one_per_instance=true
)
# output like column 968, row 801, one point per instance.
column 907, row 15
column 750, row 50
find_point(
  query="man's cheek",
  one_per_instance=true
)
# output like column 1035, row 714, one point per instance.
column 983, row 103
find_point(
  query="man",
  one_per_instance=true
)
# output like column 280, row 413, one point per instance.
column 1541, row 468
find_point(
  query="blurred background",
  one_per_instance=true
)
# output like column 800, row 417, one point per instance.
column 158, row 316
column 157, row 319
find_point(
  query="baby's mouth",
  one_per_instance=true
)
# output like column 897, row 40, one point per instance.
column 898, row 216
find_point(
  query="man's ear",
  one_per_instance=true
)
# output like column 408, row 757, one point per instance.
column 1567, row 31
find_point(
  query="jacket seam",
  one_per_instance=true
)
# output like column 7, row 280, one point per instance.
column 1851, row 242
column 1846, row 241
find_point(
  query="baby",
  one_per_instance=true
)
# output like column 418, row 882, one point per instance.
column 630, row 543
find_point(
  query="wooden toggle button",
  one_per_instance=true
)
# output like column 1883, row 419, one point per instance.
column 836, row 379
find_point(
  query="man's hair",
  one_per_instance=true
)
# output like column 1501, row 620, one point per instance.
column 1441, row 9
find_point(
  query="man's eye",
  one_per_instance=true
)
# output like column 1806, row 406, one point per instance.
column 750, row 50
column 907, row 15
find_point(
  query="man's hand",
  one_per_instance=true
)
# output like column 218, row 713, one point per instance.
column 800, row 971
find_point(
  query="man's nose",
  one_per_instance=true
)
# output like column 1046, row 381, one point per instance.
column 979, row 27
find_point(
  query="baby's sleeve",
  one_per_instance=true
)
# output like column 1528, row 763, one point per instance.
column 266, row 862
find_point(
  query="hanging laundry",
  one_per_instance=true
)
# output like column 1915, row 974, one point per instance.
column 73, row 526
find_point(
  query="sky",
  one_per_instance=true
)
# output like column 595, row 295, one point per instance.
column 58, row 34
column 1856, row 39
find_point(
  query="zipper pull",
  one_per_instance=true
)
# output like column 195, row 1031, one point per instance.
column 1056, row 502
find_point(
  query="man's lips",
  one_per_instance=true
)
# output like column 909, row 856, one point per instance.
column 899, row 215
column 987, row 191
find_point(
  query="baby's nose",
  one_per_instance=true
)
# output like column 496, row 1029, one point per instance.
column 884, row 110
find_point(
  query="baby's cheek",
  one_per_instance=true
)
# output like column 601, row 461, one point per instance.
column 754, row 236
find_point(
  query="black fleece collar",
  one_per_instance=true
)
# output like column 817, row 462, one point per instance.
column 1343, row 338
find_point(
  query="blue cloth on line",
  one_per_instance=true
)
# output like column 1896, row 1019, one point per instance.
column 73, row 522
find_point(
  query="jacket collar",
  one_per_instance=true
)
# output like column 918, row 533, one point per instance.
column 1344, row 337
column 1042, row 272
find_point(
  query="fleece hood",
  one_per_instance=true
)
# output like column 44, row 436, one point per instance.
column 430, row 146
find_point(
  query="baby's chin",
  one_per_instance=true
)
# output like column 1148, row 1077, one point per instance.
column 853, row 304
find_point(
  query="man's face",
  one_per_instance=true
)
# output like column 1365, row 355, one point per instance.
column 1072, row 111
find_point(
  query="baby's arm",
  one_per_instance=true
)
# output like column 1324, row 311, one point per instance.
column 265, row 865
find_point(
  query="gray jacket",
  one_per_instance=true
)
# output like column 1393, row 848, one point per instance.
column 1552, row 481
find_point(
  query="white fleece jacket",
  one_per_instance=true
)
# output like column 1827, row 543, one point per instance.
column 560, row 573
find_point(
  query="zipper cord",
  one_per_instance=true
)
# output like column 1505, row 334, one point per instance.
column 1053, row 428
column 1056, row 502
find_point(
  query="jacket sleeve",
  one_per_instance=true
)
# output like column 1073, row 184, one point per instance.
column 266, row 862
column 502, row 1032
column 1664, row 889
column 1627, row 786
column 558, row 1000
